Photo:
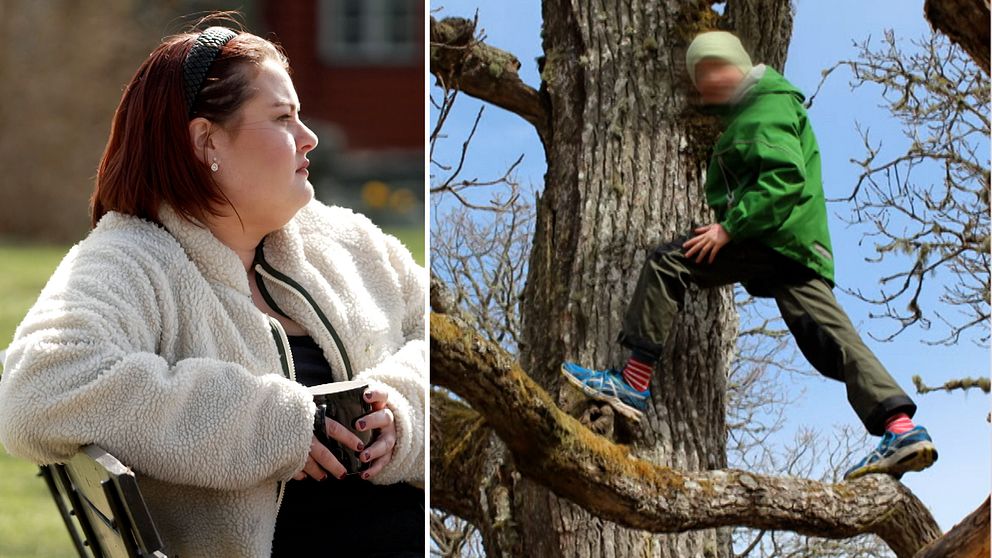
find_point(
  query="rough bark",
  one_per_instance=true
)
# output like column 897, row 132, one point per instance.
column 764, row 27
column 965, row 22
column 553, row 449
column 968, row 539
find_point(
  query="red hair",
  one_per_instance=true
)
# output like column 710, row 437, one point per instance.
column 149, row 158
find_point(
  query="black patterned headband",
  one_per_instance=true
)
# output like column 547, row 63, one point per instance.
column 200, row 57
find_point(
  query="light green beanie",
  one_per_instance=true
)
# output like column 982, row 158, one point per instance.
column 716, row 44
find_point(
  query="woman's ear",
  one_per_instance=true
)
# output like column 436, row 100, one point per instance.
column 200, row 136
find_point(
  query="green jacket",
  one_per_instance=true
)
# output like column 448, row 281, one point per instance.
column 764, row 179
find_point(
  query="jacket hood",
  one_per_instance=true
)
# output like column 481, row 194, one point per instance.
column 774, row 83
column 761, row 80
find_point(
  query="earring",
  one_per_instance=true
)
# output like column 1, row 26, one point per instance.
column 214, row 165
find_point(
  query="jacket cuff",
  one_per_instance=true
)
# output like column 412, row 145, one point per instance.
column 306, row 416
column 402, row 377
column 729, row 229
column 406, row 447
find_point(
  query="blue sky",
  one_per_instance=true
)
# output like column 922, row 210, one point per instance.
column 823, row 34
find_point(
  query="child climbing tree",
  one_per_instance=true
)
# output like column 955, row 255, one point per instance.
column 626, row 152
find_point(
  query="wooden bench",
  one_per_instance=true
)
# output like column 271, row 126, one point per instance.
column 102, row 507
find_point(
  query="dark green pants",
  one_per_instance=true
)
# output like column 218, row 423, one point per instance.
column 819, row 325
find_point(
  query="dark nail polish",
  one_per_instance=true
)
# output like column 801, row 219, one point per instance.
column 361, row 425
column 361, row 446
column 366, row 456
column 365, row 476
column 368, row 396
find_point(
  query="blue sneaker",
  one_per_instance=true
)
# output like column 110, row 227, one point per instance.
column 897, row 454
column 609, row 386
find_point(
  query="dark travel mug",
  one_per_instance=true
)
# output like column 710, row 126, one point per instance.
column 344, row 403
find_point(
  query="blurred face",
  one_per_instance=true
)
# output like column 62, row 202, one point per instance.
column 717, row 80
column 261, row 157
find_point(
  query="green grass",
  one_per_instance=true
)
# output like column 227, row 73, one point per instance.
column 30, row 525
column 413, row 239
column 26, row 268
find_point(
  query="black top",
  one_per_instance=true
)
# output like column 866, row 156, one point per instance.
column 308, row 359
column 350, row 517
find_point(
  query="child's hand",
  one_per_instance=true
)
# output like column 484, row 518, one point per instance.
column 708, row 241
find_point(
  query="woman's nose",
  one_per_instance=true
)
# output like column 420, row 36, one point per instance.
column 309, row 139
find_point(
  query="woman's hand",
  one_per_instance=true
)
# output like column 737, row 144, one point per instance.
column 381, row 451
column 321, row 461
column 707, row 242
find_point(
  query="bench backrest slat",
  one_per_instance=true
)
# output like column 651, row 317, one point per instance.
column 104, row 498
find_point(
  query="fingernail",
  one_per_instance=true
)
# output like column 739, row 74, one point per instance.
column 368, row 396
column 361, row 424
column 343, row 475
column 365, row 476
column 366, row 456
column 324, row 477
column 361, row 446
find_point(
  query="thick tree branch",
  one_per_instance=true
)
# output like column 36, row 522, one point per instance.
column 966, row 22
column 553, row 448
column 460, row 61
column 967, row 539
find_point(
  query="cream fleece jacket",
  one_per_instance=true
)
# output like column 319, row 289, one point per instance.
column 146, row 341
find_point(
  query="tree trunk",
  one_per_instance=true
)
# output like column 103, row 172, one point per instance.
column 626, row 157
column 966, row 23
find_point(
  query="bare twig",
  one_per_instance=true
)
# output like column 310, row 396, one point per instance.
column 964, row 384
column 927, row 206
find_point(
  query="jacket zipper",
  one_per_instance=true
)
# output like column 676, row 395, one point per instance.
column 723, row 173
column 282, row 342
column 266, row 270
column 723, row 169
column 726, row 183
column 282, row 345
column 289, row 370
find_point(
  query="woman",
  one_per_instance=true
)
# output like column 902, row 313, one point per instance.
column 174, row 333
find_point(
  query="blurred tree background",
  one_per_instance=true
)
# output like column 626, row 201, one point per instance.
column 357, row 66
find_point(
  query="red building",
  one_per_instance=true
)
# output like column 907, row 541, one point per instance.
column 358, row 68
